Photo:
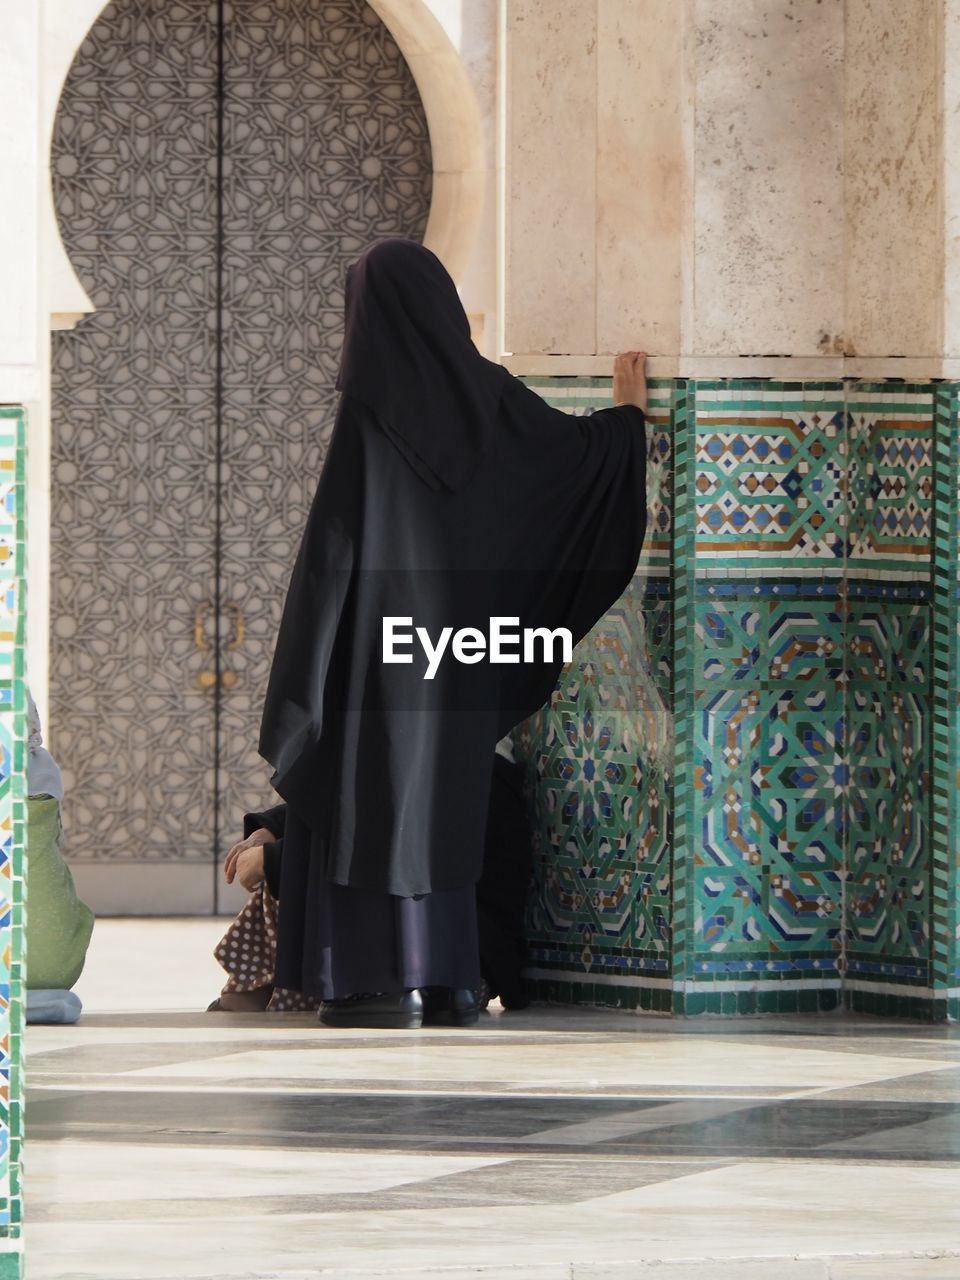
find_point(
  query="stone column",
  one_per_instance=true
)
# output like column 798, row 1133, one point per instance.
column 22, row 386
column 757, row 194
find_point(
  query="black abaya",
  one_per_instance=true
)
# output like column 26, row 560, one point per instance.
column 367, row 941
column 478, row 500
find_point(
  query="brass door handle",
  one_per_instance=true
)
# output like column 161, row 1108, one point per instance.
column 238, row 627
column 200, row 617
column 208, row 679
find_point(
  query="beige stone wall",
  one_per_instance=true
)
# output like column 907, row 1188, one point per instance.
column 950, row 151
column 893, row 177
column 22, row 336
column 594, row 175
column 726, row 183
column 767, row 169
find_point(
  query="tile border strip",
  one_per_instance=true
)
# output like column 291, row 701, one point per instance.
column 943, row 811
column 683, row 520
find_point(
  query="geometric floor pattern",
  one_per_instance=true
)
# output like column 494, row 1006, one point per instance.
column 167, row 1142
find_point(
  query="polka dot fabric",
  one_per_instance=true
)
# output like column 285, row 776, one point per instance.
column 248, row 952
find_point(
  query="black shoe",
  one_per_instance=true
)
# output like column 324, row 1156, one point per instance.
column 403, row 1009
column 447, row 1007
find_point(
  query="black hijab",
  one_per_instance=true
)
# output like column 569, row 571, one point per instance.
column 408, row 356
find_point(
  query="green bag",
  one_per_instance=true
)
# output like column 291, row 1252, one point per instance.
column 59, row 925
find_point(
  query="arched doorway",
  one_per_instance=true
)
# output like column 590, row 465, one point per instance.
column 215, row 168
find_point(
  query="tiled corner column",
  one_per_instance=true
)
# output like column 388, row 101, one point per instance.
column 945, row 712
column 778, row 852
column 759, row 791
column 12, row 834
column 600, row 915
column 889, row 851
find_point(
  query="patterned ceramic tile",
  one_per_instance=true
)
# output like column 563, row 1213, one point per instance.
column 945, row 706
column 782, row 632
column 770, row 475
column 769, row 808
column 797, row 649
column 767, row 773
column 12, row 831
column 890, row 482
column 888, row 852
column 601, row 752
column 684, row 682
column 889, row 657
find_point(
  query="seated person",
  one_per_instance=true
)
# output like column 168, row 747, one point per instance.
column 59, row 925
column 248, row 949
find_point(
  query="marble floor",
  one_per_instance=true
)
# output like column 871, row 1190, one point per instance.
column 167, row 1143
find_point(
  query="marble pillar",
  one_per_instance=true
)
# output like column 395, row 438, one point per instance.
column 23, row 349
column 746, row 783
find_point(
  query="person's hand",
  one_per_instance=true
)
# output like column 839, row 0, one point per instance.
column 630, row 379
column 255, row 841
column 249, row 868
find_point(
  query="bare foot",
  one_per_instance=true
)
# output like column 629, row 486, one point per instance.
column 630, row 379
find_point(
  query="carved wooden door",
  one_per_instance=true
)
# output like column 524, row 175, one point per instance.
column 216, row 169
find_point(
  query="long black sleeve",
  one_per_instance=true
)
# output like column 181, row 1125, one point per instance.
column 272, row 857
column 631, row 414
column 274, row 820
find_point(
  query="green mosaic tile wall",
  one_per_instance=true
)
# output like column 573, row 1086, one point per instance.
column 888, row 668
column 600, row 914
column 12, row 832
column 945, row 707
column 735, row 802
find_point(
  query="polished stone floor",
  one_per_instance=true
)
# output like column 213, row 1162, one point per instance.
column 166, row 1143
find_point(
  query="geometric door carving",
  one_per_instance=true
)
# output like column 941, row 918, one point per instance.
column 215, row 171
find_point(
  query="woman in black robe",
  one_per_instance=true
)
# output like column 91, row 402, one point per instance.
column 451, row 494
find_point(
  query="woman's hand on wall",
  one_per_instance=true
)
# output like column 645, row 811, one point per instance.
column 630, row 379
